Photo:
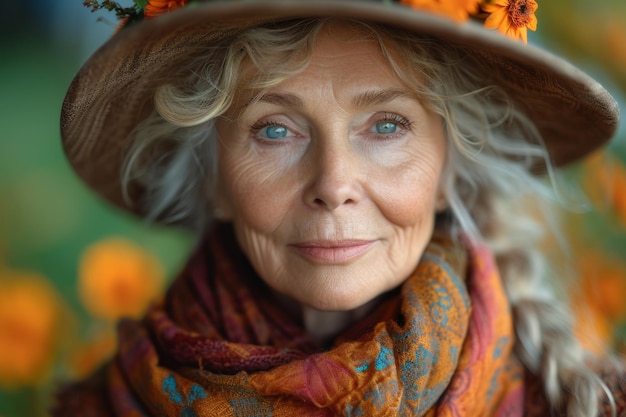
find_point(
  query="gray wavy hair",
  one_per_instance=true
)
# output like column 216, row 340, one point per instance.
column 487, row 179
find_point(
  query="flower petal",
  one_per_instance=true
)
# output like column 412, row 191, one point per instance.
column 496, row 19
column 532, row 25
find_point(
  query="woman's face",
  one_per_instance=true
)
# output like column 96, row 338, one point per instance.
column 331, row 179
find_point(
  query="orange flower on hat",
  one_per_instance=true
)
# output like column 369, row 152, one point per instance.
column 118, row 279
column 31, row 315
column 157, row 7
column 459, row 10
column 511, row 17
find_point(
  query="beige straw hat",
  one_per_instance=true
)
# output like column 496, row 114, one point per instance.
column 113, row 91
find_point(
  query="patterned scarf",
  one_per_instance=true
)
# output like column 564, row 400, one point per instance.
column 219, row 345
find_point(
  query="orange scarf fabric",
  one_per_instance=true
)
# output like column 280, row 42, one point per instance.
column 218, row 346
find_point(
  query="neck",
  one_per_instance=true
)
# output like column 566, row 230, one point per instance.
column 324, row 326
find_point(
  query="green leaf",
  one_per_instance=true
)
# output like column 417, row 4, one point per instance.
column 141, row 3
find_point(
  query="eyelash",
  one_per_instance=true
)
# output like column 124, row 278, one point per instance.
column 396, row 118
column 265, row 123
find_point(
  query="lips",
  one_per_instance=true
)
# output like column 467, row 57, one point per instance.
column 332, row 251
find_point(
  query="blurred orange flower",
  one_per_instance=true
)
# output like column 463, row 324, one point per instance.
column 511, row 17
column 591, row 326
column 157, row 7
column 605, row 182
column 599, row 305
column 118, row 278
column 604, row 284
column 616, row 41
column 31, row 318
column 86, row 357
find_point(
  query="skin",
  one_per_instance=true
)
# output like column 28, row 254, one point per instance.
column 332, row 178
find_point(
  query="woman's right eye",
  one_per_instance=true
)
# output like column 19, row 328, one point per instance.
column 270, row 131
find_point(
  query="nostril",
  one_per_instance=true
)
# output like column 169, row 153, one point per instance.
column 320, row 202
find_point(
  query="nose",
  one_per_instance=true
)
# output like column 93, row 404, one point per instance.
column 336, row 176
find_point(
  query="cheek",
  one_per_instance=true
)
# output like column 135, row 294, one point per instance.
column 408, row 192
column 258, row 194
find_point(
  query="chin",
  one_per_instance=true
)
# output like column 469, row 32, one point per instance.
column 332, row 306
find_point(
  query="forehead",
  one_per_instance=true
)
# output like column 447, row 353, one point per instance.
column 348, row 48
column 341, row 38
column 341, row 52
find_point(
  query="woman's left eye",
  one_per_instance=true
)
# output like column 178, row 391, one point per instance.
column 385, row 127
column 390, row 125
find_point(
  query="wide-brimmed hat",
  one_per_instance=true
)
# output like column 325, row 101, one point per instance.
column 113, row 91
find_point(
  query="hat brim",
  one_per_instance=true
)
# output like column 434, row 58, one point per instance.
column 114, row 89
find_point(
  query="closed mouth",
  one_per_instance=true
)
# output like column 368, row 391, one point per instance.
column 332, row 251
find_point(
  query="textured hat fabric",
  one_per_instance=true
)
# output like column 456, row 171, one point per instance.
column 114, row 90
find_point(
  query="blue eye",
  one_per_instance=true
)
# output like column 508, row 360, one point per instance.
column 385, row 127
column 276, row 132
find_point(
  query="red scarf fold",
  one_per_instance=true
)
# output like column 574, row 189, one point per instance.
column 219, row 345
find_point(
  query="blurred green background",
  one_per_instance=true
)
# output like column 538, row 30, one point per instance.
column 47, row 217
column 50, row 224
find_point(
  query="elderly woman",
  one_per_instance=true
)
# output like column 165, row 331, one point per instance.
column 364, row 180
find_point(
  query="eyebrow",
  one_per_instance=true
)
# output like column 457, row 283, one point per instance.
column 283, row 100
column 365, row 99
column 374, row 97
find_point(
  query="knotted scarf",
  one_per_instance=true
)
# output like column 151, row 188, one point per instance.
column 220, row 345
